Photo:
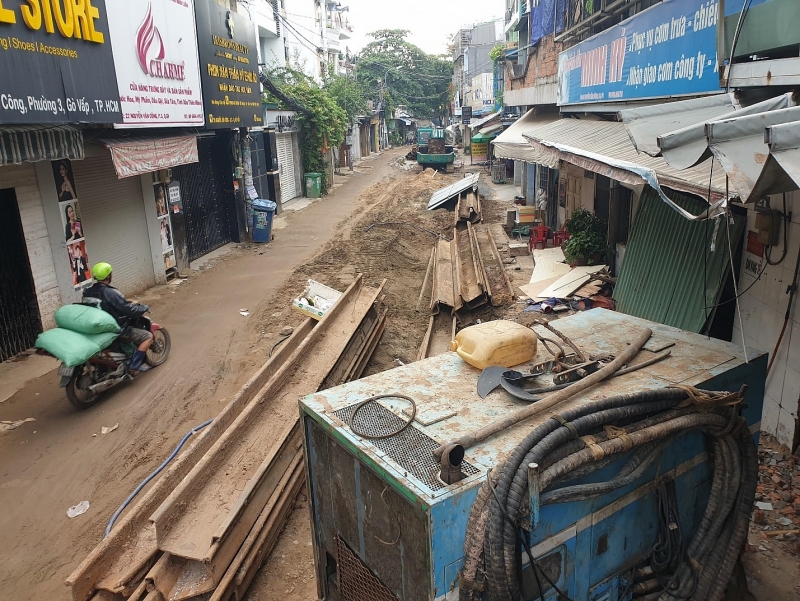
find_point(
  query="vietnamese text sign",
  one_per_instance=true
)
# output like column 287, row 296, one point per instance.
column 155, row 54
column 226, row 44
column 55, row 63
column 666, row 50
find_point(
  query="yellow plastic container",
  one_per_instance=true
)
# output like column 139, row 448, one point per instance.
column 501, row 342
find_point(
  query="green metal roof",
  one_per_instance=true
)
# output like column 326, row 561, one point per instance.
column 662, row 276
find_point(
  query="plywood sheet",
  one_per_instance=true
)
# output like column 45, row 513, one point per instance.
column 548, row 265
column 568, row 284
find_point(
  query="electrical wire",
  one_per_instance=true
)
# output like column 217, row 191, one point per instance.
column 739, row 24
column 735, row 284
column 372, row 399
column 155, row 473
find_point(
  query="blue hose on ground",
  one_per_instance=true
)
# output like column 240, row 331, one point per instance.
column 157, row 471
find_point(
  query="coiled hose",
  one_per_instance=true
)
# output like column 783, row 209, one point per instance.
column 588, row 437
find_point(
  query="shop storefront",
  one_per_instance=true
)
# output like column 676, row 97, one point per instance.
column 74, row 82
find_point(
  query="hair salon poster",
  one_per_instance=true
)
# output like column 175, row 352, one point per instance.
column 164, row 205
column 74, row 235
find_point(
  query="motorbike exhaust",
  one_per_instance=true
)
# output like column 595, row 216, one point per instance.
column 106, row 384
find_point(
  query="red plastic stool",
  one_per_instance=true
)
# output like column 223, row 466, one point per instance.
column 560, row 237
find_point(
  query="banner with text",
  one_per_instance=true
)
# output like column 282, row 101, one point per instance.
column 666, row 50
column 137, row 157
column 55, row 63
column 155, row 54
column 226, row 43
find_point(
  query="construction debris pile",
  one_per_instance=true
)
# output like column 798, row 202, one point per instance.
column 464, row 273
column 206, row 525
column 777, row 513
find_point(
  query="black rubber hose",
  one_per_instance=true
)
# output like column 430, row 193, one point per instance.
column 501, row 539
column 742, row 515
column 630, row 472
column 502, row 547
column 493, row 544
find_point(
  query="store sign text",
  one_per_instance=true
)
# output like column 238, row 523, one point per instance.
column 72, row 18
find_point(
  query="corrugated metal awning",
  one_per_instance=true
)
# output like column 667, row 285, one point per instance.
column 488, row 131
column 512, row 145
column 605, row 147
column 675, row 269
column 478, row 123
column 442, row 196
column 29, row 144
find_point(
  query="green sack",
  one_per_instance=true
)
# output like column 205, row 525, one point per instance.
column 73, row 348
column 85, row 320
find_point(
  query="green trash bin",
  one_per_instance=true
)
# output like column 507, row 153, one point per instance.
column 313, row 185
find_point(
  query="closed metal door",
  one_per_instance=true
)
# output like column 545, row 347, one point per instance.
column 19, row 311
column 208, row 223
column 114, row 222
column 286, row 167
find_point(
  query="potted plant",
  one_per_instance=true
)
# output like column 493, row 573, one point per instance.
column 587, row 242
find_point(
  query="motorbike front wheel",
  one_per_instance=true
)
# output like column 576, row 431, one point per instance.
column 159, row 350
column 80, row 397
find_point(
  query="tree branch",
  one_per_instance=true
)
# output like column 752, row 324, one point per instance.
column 276, row 91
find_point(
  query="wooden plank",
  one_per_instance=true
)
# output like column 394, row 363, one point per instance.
column 569, row 283
column 128, row 548
column 187, row 520
column 266, row 524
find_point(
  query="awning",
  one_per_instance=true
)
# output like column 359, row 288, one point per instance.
column 677, row 130
column 28, row 144
column 406, row 121
column 512, row 145
column 137, row 156
column 492, row 129
column 674, row 269
column 476, row 124
column 605, row 147
column 781, row 172
column 739, row 145
column 646, row 123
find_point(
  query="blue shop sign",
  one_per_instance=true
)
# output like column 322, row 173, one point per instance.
column 669, row 49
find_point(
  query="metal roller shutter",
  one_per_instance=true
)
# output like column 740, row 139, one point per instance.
column 286, row 167
column 114, row 223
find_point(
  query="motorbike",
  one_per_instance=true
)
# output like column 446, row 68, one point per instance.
column 84, row 384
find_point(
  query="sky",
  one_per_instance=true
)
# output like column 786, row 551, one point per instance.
column 431, row 22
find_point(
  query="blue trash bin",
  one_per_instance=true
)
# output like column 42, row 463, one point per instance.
column 263, row 210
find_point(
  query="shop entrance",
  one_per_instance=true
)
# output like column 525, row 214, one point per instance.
column 19, row 311
column 202, row 184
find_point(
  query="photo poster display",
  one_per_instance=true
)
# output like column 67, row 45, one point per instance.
column 162, row 197
column 72, row 224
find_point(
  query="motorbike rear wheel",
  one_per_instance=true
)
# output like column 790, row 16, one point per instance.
column 80, row 398
column 159, row 350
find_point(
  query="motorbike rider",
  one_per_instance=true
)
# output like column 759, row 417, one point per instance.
column 124, row 311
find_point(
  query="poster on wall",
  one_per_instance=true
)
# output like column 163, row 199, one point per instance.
column 164, row 225
column 155, row 57
column 72, row 224
column 56, row 65
column 669, row 49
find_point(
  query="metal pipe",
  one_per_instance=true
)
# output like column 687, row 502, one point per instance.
column 533, row 495
column 470, row 440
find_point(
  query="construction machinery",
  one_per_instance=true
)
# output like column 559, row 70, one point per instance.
column 411, row 498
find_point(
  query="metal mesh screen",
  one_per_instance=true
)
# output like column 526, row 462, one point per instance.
column 356, row 581
column 411, row 449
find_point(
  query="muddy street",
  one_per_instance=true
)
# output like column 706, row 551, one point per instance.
column 62, row 459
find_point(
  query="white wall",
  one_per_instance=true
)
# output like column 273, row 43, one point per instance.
column 763, row 308
column 29, row 201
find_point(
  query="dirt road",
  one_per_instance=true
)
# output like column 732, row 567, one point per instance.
column 61, row 458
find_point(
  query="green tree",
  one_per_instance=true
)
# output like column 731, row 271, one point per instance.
column 323, row 123
column 395, row 71
column 348, row 95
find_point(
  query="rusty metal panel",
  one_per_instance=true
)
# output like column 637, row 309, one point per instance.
column 663, row 277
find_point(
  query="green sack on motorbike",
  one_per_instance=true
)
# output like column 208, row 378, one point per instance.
column 73, row 348
column 85, row 320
